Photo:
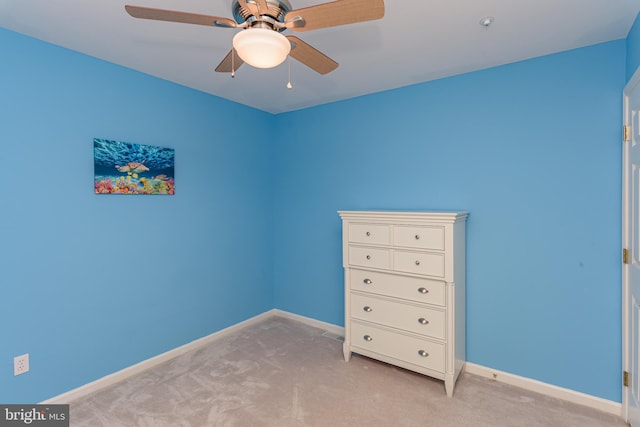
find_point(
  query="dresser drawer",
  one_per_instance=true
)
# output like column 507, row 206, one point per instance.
column 419, row 237
column 412, row 318
column 394, row 285
column 374, row 234
column 429, row 264
column 424, row 353
column 370, row 257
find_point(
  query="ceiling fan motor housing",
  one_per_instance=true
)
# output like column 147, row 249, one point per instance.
column 276, row 13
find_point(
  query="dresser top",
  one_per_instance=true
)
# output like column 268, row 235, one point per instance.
column 392, row 215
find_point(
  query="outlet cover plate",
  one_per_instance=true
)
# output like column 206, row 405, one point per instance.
column 21, row 364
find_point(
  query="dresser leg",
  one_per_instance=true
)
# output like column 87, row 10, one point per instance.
column 448, row 385
column 346, row 351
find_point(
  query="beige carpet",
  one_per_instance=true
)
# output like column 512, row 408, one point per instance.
column 285, row 373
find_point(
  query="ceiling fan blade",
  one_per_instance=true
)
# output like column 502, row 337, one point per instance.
column 175, row 16
column 227, row 65
column 310, row 56
column 339, row 12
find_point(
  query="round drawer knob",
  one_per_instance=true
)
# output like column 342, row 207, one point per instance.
column 417, row 262
column 367, row 309
column 423, row 290
column 417, row 236
column 367, row 281
column 368, row 256
column 423, row 353
column 368, row 234
column 423, row 321
column 367, row 338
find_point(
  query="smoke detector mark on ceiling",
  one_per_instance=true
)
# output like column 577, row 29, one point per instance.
column 487, row 21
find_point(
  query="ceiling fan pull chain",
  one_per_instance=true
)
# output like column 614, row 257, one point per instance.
column 289, row 85
column 233, row 67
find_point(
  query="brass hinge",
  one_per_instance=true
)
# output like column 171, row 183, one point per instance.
column 625, row 378
column 625, row 256
column 626, row 133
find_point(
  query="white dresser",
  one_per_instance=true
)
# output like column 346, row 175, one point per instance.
column 405, row 289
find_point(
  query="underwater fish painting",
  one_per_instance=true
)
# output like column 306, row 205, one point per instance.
column 132, row 167
column 127, row 168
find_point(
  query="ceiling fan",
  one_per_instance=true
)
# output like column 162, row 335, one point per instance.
column 260, row 43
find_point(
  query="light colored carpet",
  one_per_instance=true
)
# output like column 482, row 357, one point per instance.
column 284, row 373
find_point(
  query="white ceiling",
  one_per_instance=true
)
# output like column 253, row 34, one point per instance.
column 416, row 41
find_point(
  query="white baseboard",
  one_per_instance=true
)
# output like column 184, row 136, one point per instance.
column 550, row 390
column 329, row 327
column 546, row 389
column 505, row 377
column 125, row 373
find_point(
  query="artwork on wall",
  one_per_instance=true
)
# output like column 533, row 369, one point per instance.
column 126, row 168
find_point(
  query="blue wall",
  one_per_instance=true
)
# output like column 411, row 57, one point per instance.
column 90, row 283
column 532, row 150
column 633, row 48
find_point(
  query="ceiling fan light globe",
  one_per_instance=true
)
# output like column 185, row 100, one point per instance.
column 261, row 47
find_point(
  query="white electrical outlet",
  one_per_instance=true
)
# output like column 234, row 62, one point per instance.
column 21, row 364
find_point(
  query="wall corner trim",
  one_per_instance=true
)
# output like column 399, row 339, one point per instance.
column 550, row 390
